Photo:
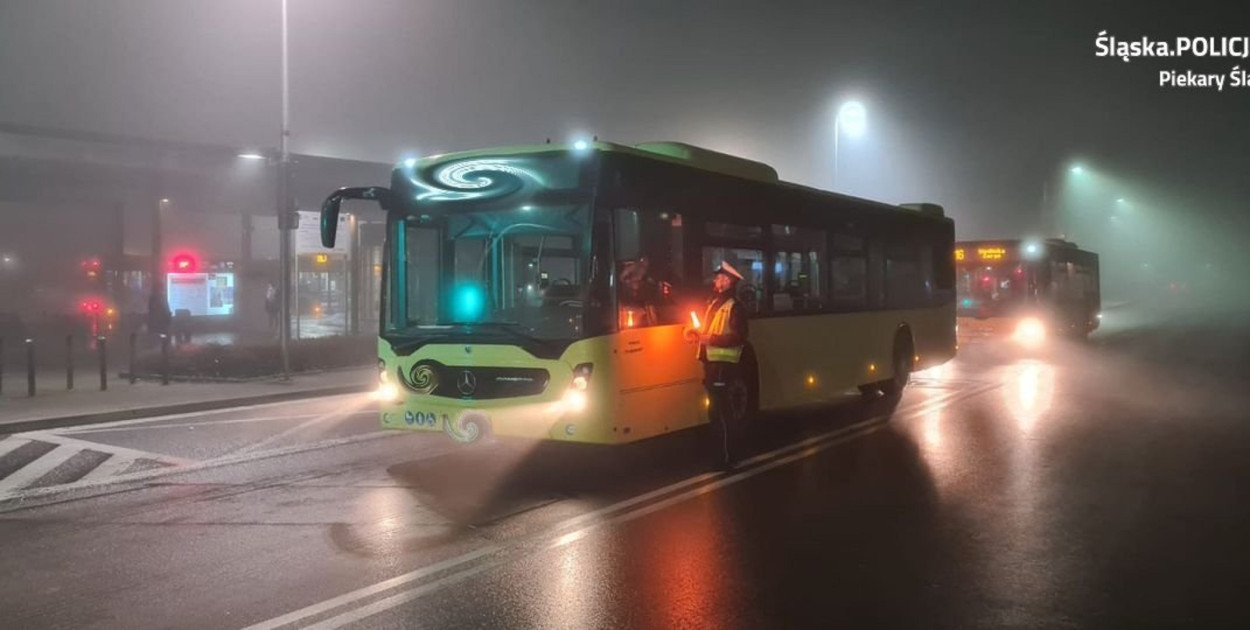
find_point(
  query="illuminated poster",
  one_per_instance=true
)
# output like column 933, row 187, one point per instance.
column 201, row 293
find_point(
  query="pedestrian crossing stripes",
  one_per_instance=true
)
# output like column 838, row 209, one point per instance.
column 39, row 459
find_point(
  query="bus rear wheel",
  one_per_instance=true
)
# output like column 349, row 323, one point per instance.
column 903, row 360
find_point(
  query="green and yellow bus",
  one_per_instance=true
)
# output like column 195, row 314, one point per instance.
column 542, row 291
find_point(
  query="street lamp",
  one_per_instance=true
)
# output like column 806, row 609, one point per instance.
column 851, row 116
column 285, row 211
column 251, row 155
column 1076, row 170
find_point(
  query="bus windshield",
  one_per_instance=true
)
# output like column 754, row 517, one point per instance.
column 517, row 271
column 991, row 288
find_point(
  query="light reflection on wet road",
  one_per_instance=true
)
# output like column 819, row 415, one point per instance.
column 1080, row 485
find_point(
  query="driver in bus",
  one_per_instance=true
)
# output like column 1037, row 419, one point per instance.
column 637, row 299
column 722, row 336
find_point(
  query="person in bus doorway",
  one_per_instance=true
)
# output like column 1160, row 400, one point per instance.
column 722, row 336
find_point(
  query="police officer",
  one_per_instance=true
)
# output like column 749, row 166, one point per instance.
column 722, row 335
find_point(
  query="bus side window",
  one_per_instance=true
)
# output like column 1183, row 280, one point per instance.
column 797, row 261
column 649, row 264
column 849, row 271
column 904, row 286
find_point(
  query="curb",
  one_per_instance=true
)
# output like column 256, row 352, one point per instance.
column 41, row 424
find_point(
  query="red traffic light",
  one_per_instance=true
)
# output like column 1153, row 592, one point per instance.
column 184, row 263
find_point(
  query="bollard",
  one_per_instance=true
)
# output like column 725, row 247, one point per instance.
column 30, row 367
column 164, row 359
column 102, row 345
column 69, row 362
column 133, row 344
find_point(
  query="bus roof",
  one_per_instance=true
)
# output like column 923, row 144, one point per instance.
column 680, row 154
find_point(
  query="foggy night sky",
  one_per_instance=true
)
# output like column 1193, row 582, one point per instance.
column 972, row 105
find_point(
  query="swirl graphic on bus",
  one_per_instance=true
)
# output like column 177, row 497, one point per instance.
column 475, row 179
column 423, row 379
column 466, row 428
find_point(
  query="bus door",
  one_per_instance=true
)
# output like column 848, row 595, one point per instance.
column 658, row 376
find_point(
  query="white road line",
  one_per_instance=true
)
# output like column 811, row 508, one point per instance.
column 780, row 456
column 110, row 467
column 399, row 599
column 289, row 431
column 348, row 598
column 106, row 448
column 10, row 444
column 31, row 472
column 228, row 460
column 209, row 412
column 375, row 589
column 195, row 423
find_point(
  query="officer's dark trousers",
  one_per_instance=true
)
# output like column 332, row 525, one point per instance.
column 725, row 430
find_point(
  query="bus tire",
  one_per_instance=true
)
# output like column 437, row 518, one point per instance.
column 902, row 358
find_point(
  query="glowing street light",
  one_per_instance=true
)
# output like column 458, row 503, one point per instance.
column 853, row 118
column 1076, row 170
column 581, row 145
column 251, row 155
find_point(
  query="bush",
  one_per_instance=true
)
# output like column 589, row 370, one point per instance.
column 252, row 361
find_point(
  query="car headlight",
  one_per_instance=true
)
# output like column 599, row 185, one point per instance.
column 1030, row 332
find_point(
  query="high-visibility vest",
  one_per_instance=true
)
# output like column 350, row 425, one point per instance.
column 717, row 324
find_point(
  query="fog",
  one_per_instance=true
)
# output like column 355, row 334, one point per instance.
column 981, row 108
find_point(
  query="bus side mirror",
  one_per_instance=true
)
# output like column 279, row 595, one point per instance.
column 332, row 205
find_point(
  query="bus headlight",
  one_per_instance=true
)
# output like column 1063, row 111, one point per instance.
column 1030, row 332
column 574, row 400
column 387, row 392
column 576, row 396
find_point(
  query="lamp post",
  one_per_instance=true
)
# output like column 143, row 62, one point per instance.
column 852, row 116
column 286, row 218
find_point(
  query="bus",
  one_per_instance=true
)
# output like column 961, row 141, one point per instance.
column 542, row 291
column 1026, row 290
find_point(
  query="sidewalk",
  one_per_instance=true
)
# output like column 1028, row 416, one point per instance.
column 53, row 406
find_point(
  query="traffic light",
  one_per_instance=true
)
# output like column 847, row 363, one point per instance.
column 184, row 263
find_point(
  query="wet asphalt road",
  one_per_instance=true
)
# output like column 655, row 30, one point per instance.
column 1093, row 485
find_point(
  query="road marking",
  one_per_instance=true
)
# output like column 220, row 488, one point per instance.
column 403, row 597
column 195, row 423
column 130, row 453
column 30, row 473
column 11, row 444
column 145, row 475
column 289, row 431
column 208, row 412
column 110, row 467
column 558, row 535
column 384, row 585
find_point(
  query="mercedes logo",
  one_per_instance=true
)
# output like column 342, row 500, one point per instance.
column 466, row 383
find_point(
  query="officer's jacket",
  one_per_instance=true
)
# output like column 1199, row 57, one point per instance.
column 726, row 330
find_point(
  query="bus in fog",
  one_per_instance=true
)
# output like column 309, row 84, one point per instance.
column 1026, row 290
column 542, row 291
